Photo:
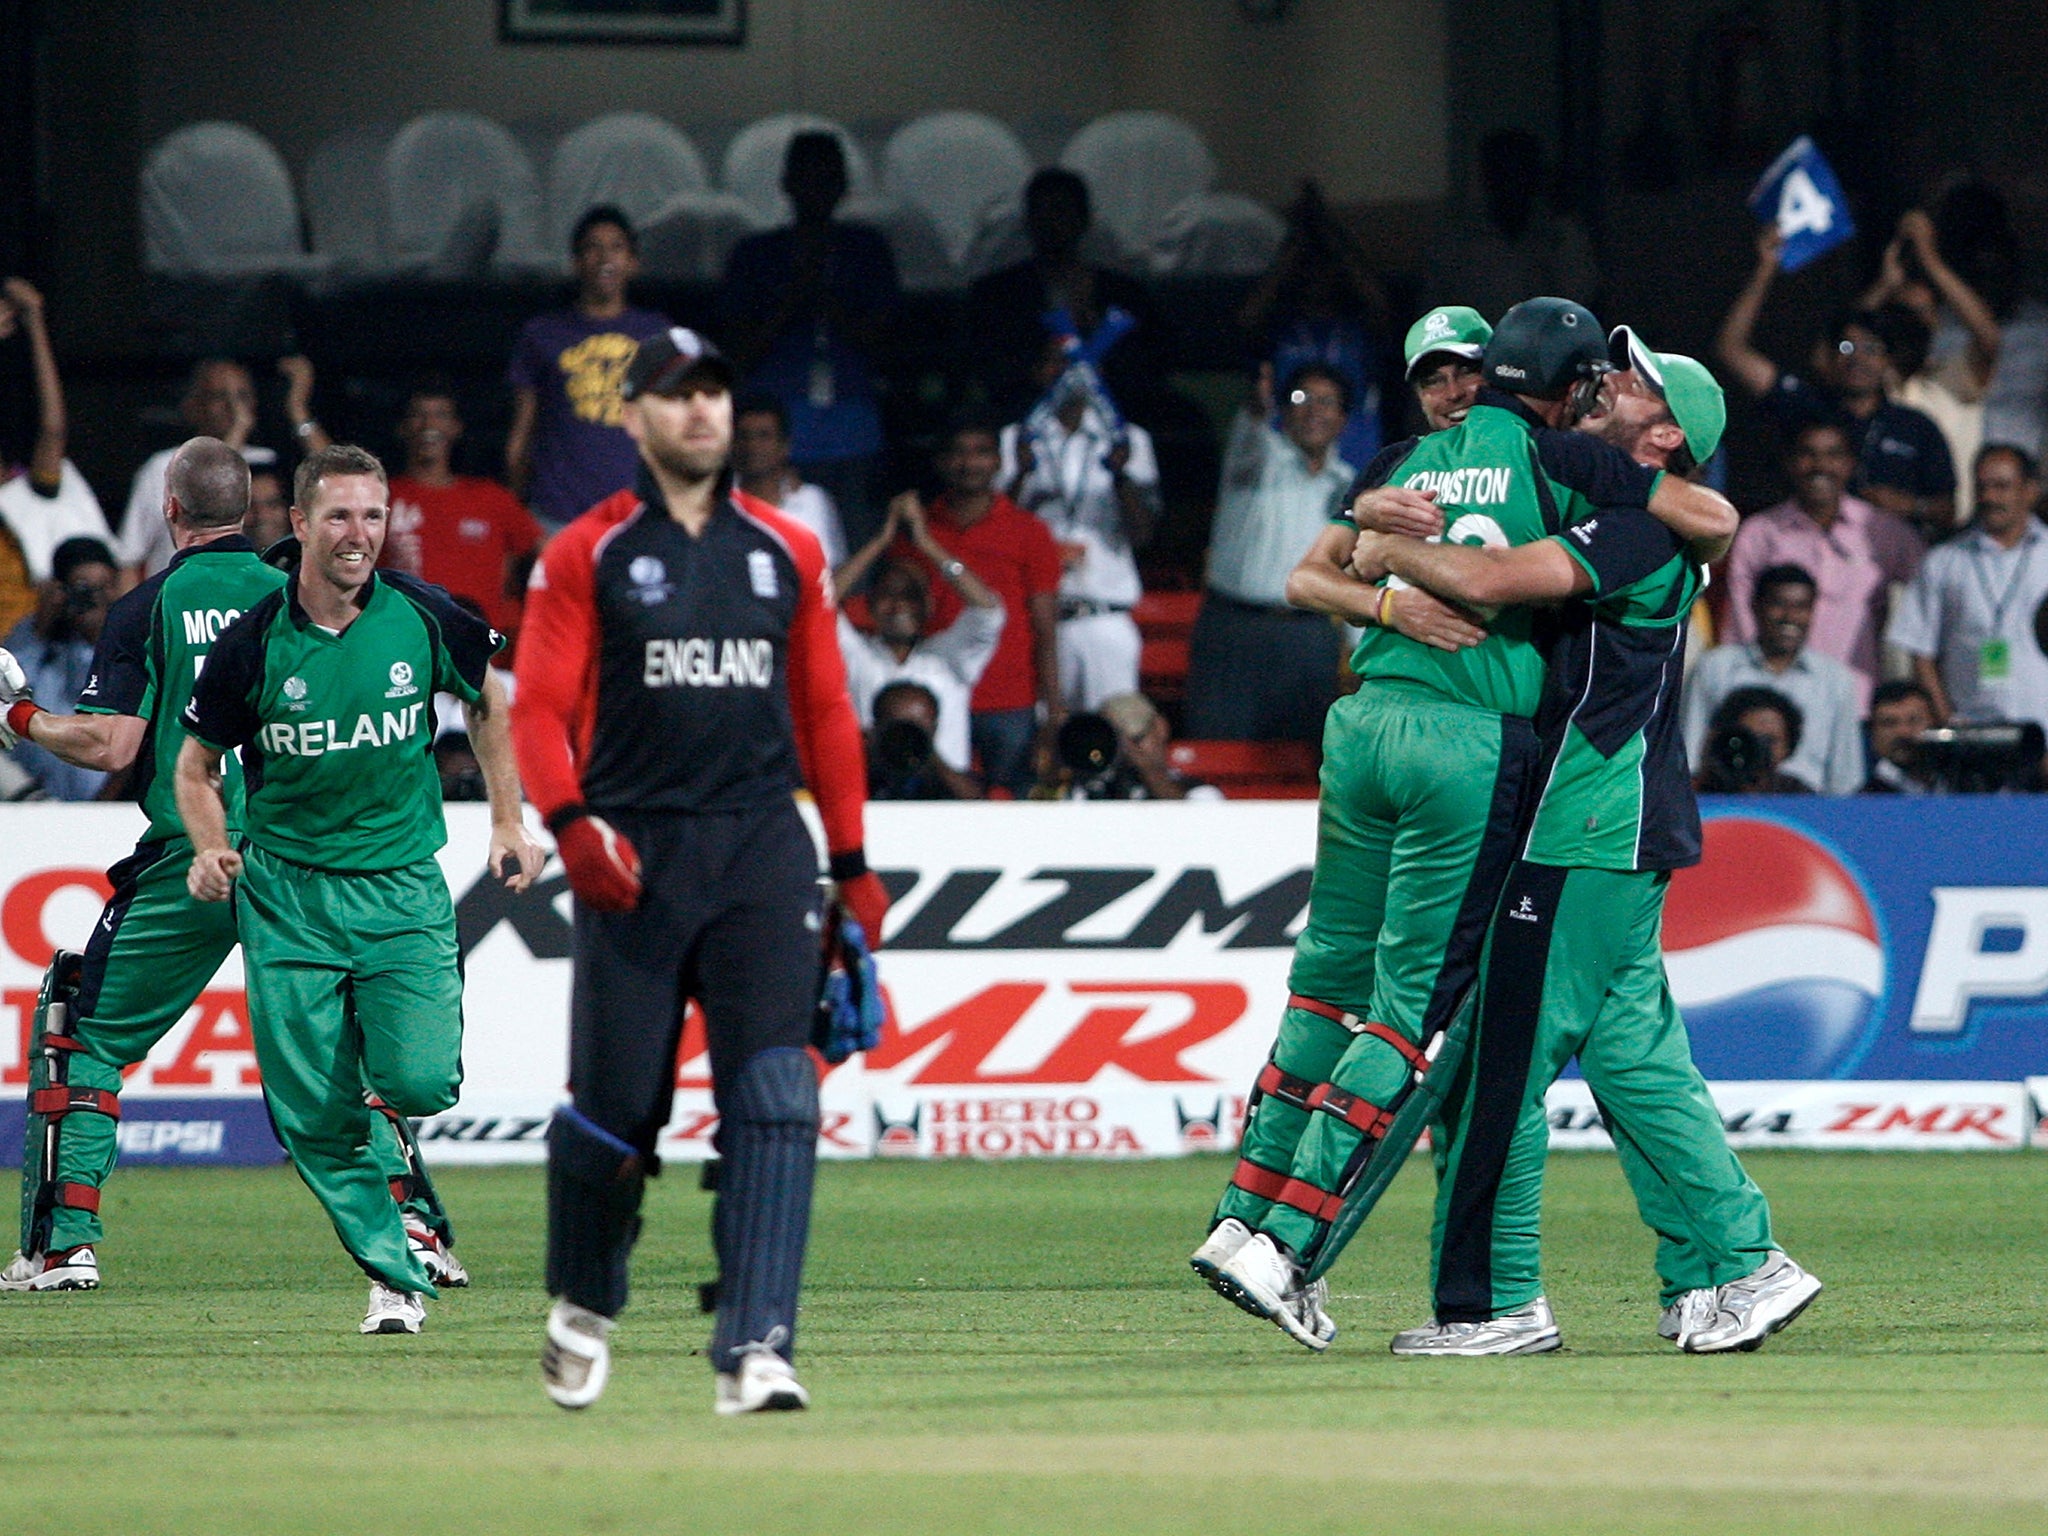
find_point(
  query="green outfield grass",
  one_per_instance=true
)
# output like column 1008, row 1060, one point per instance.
column 1020, row 1348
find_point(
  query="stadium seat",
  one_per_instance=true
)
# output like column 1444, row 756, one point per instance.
column 1250, row 770
column 459, row 197
column 1166, row 621
column 344, row 197
column 962, row 171
column 1139, row 167
column 217, row 202
column 753, row 164
column 632, row 160
column 688, row 237
column 1218, row 234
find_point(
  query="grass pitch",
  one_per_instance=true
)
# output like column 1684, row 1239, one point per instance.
column 1021, row 1348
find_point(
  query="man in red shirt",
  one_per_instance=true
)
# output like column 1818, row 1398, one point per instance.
column 1017, row 704
column 461, row 532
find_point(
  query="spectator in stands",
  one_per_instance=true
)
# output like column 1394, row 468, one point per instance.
column 1320, row 303
column 1829, row 755
column 461, row 532
column 903, row 763
column 948, row 661
column 565, row 450
column 269, row 517
column 47, row 502
column 1097, row 489
column 1133, row 766
column 220, row 401
column 1749, row 739
column 1524, row 244
column 760, row 462
column 1259, row 669
column 462, row 776
column 1973, row 227
column 1968, row 618
column 1899, row 459
column 1900, row 714
column 806, row 308
column 1018, row 703
column 55, row 646
column 1853, row 550
column 1949, row 381
column 1006, row 310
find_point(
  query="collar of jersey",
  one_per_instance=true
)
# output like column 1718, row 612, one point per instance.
column 304, row 620
column 233, row 544
column 649, row 492
column 1501, row 400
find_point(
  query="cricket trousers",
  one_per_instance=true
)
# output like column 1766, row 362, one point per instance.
column 354, row 982
column 1574, row 966
column 151, row 954
column 728, row 917
column 1417, row 825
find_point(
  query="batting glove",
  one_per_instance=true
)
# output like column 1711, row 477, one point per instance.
column 604, row 868
column 15, row 699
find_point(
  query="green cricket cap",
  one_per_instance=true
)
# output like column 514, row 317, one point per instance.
column 1693, row 394
column 1455, row 329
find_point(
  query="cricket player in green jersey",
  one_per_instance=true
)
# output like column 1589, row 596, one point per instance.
column 326, row 686
column 1574, row 964
column 1425, row 774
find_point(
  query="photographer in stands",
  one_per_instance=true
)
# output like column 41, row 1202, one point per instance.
column 1120, row 754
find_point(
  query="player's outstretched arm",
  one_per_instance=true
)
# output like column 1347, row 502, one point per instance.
column 1705, row 519
column 1477, row 575
column 197, row 782
column 513, row 854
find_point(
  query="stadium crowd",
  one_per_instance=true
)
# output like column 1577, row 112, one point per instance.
column 1880, row 628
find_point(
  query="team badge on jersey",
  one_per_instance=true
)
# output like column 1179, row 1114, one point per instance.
column 761, row 571
column 650, row 580
column 402, row 685
column 295, row 693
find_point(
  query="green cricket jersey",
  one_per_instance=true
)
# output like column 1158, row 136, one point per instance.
column 150, row 653
column 1617, row 791
column 1502, row 478
column 336, row 731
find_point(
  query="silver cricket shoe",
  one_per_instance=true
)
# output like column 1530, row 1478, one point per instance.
column 1693, row 1311
column 576, row 1359
column 1750, row 1310
column 1529, row 1330
column 1266, row 1283
column 1218, row 1249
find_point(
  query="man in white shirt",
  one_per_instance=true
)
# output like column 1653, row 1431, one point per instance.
column 760, row 462
column 948, row 663
column 1258, row 669
column 1967, row 620
column 1097, row 488
column 1829, row 756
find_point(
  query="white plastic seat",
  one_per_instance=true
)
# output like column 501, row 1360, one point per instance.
column 960, row 170
column 632, row 160
column 345, row 197
column 1139, row 167
column 217, row 201
column 1219, row 234
column 460, row 195
column 753, row 164
column 688, row 237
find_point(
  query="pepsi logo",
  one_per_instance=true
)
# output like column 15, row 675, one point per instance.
column 1773, row 954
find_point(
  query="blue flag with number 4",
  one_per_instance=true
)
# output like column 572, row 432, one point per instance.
column 1800, row 195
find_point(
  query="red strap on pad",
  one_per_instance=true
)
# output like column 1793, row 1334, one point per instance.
column 62, row 1100
column 1351, row 1021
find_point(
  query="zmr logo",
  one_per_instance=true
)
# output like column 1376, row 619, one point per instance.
column 1963, row 1122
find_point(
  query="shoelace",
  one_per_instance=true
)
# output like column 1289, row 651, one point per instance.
column 770, row 1346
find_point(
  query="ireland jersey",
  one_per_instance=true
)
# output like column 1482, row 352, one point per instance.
column 336, row 731
column 1616, row 789
column 150, row 654
column 1501, row 478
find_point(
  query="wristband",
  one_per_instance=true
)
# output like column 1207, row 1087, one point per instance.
column 1386, row 602
column 849, row 865
column 565, row 816
column 305, row 429
column 19, row 713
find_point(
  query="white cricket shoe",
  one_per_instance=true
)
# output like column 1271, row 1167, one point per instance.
column 764, row 1383
column 1266, row 1283
column 1308, row 1304
column 576, row 1361
column 1693, row 1311
column 393, row 1310
column 435, row 1256
column 1223, row 1241
column 1750, row 1310
column 69, row 1269
column 1529, row 1330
